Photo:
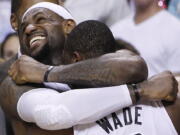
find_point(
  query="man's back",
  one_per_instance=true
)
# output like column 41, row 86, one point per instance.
column 141, row 119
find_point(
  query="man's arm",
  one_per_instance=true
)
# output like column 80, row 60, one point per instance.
column 9, row 95
column 110, row 69
column 110, row 62
column 52, row 111
column 173, row 109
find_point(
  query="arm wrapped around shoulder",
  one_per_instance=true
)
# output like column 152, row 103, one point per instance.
column 51, row 110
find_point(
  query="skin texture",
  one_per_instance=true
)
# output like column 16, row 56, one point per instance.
column 173, row 109
column 105, row 76
column 46, row 26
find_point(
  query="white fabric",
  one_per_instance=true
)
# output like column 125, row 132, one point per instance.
column 61, row 11
column 52, row 110
column 157, row 40
column 149, row 119
column 57, row 86
column 107, row 11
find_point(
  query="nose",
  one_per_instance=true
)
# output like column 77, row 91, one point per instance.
column 30, row 28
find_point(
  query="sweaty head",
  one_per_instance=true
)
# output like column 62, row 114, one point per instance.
column 43, row 30
column 18, row 7
column 87, row 40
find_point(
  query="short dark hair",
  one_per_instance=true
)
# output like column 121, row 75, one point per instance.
column 91, row 38
column 15, row 4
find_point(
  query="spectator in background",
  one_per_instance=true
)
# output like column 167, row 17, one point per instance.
column 174, row 7
column 154, row 33
column 5, row 27
column 106, row 11
column 10, row 46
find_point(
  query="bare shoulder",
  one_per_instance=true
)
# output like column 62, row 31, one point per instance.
column 123, row 54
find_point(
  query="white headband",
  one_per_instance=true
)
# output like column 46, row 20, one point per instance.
column 61, row 11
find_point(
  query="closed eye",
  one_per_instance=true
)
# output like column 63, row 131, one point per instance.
column 41, row 20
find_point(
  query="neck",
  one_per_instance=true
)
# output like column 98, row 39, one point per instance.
column 54, row 59
column 143, row 13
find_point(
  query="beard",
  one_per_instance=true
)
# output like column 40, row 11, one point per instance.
column 43, row 55
column 53, row 47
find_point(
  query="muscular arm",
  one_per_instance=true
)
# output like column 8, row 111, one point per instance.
column 110, row 69
column 9, row 95
column 9, row 91
column 107, row 70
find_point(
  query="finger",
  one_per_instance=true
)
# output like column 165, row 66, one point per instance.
column 15, row 76
column 20, row 81
column 13, row 68
column 170, row 98
column 10, row 71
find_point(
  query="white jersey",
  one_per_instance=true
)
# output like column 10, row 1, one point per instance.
column 149, row 119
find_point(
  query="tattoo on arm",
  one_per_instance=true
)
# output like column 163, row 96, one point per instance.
column 110, row 69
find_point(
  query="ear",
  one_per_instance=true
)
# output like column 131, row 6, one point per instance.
column 68, row 26
column 14, row 22
column 76, row 57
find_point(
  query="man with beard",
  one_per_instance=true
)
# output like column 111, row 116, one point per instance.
column 36, row 37
column 43, row 113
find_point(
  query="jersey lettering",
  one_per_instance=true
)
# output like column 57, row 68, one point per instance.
column 127, row 119
column 104, row 123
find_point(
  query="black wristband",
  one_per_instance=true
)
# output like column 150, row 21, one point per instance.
column 47, row 73
column 136, row 92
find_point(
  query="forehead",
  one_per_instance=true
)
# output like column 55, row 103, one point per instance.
column 40, row 12
column 25, row 4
